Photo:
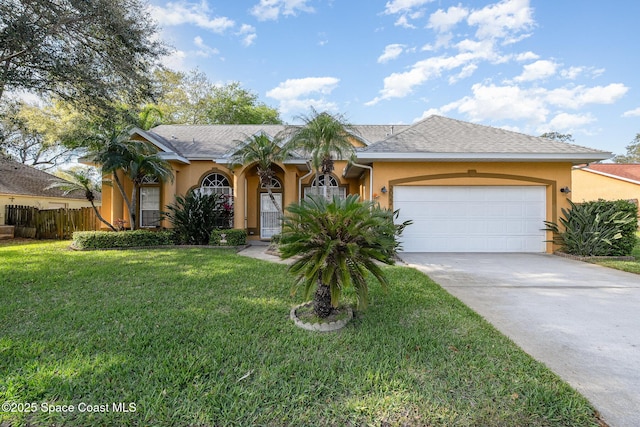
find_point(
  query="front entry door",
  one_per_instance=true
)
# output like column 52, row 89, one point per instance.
column 270, row 216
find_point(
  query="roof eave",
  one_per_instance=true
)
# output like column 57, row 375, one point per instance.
column 173, row 157
column 575, row 158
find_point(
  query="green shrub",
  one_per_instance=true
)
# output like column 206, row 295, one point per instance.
column 122, row 239
column 196, row 215
column 624, row 245
column 599, row 228
column 233, row 237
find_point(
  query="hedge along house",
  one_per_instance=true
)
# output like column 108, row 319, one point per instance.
column 466, row 187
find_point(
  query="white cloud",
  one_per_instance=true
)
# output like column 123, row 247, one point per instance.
column 403, row 22
column 175, row 60
column 579, row 96
column 391, row 51
column 572, row 73
column 403, row 6
column 399, row 85
column 298, row 94
column 537, row 70
column 204, row 50
column 569, row 122
column 526, row 56
column 503, row 20
column 248, row 34
column 270, row 10
column 182, row 12
column 467, row 71
column 632, row 113
column 502, row 103
column 443, row 21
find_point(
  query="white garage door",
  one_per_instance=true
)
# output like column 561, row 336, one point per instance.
column 472, row 219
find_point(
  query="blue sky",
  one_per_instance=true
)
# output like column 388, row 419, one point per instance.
column 530, row 66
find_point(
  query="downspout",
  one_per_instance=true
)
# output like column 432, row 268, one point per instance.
column 303, row 177
column 370, row 178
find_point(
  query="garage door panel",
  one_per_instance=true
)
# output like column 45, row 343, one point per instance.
column 472, row 219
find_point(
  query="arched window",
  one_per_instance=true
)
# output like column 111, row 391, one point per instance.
column 329, row 189
column 216, row 183
column 275, row 184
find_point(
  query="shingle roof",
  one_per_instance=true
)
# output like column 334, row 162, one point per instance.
column 208, row 141
column 434, row 137
column 625, row 171
column 19, row 179
column 437, row 134
column 213, row 141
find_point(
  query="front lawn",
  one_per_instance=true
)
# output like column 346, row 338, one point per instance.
column 629, row 266
column 202, row 337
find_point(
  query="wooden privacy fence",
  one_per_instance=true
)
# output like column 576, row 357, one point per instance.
column 31, row 222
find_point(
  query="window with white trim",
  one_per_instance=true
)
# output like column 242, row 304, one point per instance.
column 216, row 183
column 150, row 202
column 329, row 190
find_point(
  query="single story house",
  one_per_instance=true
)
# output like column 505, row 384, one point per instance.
column 608, row 181
column 27, row 186
column 466, row 187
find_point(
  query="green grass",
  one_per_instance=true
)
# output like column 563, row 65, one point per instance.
column 202, row 337
column 629, row 266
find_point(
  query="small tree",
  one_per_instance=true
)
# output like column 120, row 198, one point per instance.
column 81, row 179
column 137, row 159
column 337, row 243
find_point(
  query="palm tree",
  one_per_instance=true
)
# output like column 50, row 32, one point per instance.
column 323, row 136
column 336, row 243
column 265, row 152
column 137, row 159
column 81, row 179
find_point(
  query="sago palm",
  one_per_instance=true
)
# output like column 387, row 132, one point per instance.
column 265, row 152
column 336, row 243
column 324, row 136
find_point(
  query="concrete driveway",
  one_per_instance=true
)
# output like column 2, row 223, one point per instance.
column 581, row 320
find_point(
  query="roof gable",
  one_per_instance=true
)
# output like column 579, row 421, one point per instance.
column 19, row 179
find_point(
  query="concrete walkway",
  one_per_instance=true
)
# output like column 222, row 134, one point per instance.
column 581, row 320
column 259, row 251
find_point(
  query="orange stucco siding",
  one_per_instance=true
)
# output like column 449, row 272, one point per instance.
column 589, row 186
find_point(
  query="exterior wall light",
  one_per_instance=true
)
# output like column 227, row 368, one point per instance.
column 565, row 190
column 384, row 190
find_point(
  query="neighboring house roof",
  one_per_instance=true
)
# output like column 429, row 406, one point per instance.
column 441, row 138
column 625, row 172
column 19, row 179
column 434, row 138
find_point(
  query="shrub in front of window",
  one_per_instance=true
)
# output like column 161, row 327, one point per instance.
column 599, row 228
column 196, row 215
